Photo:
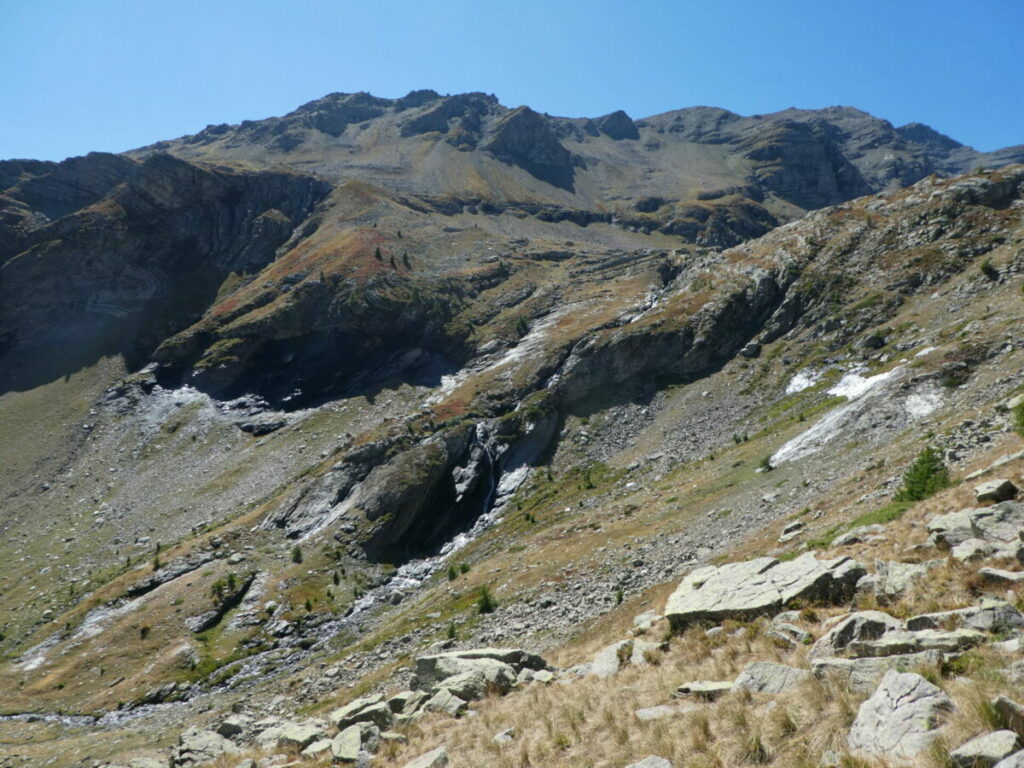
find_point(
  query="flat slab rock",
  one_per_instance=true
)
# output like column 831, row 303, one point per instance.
column 709, row 690
column 863, row 675
column 435, row 758
column 653, row 761
column 763, row 585
column 900, row 719
column 769, row 677
column 986, row 750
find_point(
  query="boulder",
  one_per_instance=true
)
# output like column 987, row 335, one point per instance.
column 505, row 737
column 992, row 615
column 708, row 690
column 432, row 670
column 1000, row 576
column 291, row 735
column 898, row 643
column 318, row 748
column 644, row 621
column 379, row 714
column 644, row 650
column 197, row 746
column 234, row 725
column 862, row 625
column 753, row 587
column 768, row 677
column 788, row 633
column 1000, row 523
column 985, row 751
column 999, row 489
column 972, row 549
column 610, row 659
column 900, row 718
column 343, row 714
column 1011, row 713
column 346, row 746
column 857, row 535
column 446, row 701
column 435, row 758
column 893, row 579
column 647, row 714
column 863, row 675
column 1016, row 760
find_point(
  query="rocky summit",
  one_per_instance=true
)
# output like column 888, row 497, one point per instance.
column 429, row 431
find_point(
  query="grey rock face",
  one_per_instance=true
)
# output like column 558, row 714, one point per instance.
column 435, row 758
column 764, row 585
column 986, row 750
column 991, row 616
column 999, row 489
column 196, row 747
column 900, row 718
column 768, row 677
column 898, row 643
column 893, row 579
column 863, row 625
column 610, row 659
column 1000, row 522
column 863, row 675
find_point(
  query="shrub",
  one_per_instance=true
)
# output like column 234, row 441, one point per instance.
column 453, row 573
column 766, row 464
column 296, row 554
column 1018, row 419
column 927, row 476
column 989, row 271
column 486, row 602
column 463, row 567
column 144, row 631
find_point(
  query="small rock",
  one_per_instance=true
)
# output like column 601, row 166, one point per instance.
column 999, row 489
column 435, row 758
column 505, row 737
column 651, row 761
column 654, row 713
column 708, row 690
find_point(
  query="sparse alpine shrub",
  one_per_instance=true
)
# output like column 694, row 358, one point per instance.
column 1018, row 419
column 296, row 554
column 486, row 602
column 927, row 476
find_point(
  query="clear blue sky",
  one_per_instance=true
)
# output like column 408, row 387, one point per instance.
column 81, row 75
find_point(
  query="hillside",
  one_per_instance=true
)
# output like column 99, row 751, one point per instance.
column 282, row 400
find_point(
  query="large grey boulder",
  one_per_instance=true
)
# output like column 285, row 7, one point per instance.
column 986, row 750
column 432, row 670
column 999, row 489
column 900, row 719
column 291, row 735
column 435, row 758
column 379, row 714
column 863, row 675
column 342, row 717
column 1016, row 760
column 1011, row 712
column 768, row 677
column 862, row 625
column 1001, row 523
column 447, row 702
column 196, row 747
column 346, row 746
column 753, row 587
column 1001, row 576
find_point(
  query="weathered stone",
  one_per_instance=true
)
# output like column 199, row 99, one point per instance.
column 708, row 690
column 318, row 748
column 898, row 643
column 234, row 725
column 1011, row 712
column 446, row 701
column 644, row 621
column 893, row 579
column 291, row 735
column 647, row 714
column 863, row 675
column 196, row 746
column 651, row 761
column 505, row 737
column 788, row 633
column 985, row 751
column 862, row 625
column 543, row 676
column 355, row 741
column 432, row 670
column 1000, row 576
column 998, row 489
column 610, row 659
column 644, row 650
column 1016, row 760
column 435, row 758
column 900, row 718
column 857, row 535
column 379, row 714
column 753, row 587
column 768, row 677
column 343, row 714
column 991, row 616
column 972, row 549
column 1001, row 522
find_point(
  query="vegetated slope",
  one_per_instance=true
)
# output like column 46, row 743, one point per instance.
column 401, row 370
